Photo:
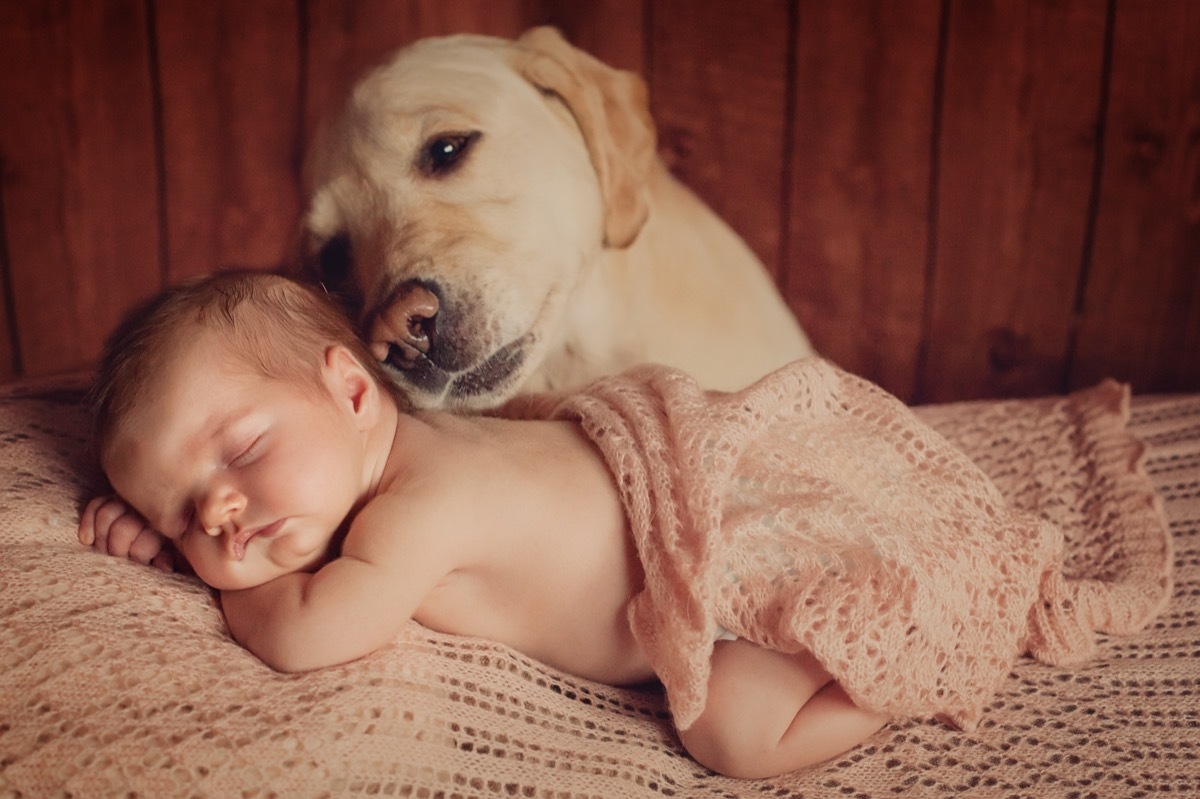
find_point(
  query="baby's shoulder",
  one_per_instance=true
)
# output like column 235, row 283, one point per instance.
column 411, row 518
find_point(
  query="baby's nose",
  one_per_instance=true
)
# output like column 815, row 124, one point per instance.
column 212, row 525
column 219, row 509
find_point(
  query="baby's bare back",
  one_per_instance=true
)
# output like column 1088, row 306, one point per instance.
column 547, row 565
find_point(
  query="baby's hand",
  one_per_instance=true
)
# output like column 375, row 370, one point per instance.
column 111, row 527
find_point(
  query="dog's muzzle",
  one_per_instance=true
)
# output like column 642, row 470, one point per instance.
column 429, row 349
column 404, row 330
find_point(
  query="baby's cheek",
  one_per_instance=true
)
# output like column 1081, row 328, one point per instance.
column 323, row 492
column 202, row 559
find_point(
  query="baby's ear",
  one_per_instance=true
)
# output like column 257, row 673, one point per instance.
column 350, row 383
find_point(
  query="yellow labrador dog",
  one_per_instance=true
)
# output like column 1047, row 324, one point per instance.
column 496, row 212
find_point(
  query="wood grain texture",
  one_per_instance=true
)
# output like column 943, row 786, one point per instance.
column 959, row 198
column 1141, row 312
column 859, row 209
column 80, row 176
column 347, row 39
column 611, row 30
column 1017, row 152
column 718, row 88
column 229, row 73
column 10, row 360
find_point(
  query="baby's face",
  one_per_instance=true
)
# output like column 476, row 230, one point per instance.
column 250, row 477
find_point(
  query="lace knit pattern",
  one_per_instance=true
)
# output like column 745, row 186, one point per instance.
column 116, row 680
column 815, row 511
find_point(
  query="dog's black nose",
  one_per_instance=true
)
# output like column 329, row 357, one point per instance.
column 405, row 328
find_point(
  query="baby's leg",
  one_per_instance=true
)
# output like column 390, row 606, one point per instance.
column 769, row 713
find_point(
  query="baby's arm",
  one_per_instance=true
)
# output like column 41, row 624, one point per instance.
column 111, row 527
column 303, row 621
column 769, row 713
column 353, row 605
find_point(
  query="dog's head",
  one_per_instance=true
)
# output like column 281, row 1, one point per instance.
column 460, row 196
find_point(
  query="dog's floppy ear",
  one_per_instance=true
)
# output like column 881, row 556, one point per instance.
column 611, row 109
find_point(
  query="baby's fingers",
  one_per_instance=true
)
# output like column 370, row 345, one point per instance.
column 108, row 512
column 126, row 530
column 164, row 560
column 111, row 527
column 88, row 520
column 146, row 544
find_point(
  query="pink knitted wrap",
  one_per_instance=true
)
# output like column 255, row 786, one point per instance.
column 814, row 511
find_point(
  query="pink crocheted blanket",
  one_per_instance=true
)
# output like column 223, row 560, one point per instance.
column 814, row 511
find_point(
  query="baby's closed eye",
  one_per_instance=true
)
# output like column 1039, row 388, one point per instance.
column 248, row 452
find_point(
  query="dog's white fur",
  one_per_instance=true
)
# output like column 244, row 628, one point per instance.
column 558, row 229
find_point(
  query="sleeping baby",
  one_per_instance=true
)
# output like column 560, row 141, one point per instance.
column 797, row 562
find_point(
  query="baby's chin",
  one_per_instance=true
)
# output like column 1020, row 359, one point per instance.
column 226, row 582
column 238, row 579
column 257, row 568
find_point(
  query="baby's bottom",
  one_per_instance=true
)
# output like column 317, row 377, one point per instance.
column 769, row 713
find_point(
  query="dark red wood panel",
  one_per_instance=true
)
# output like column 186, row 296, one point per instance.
column 1016, row 161
column 1141, row 311
column 230, row 117
column 80, row 176
column 719, row 83
column 10, row 364
column 345, row 39
column 859, row 206
column 611, row 30
column 950, row 234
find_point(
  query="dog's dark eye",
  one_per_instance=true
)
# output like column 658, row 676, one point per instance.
column 333, row 262
column 333, row 268
column 445, row 152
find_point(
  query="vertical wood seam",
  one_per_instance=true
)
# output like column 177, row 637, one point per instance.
column 6, row 285
column 301, row 133
column 1093, row 208
column 788, row 150
column 648, row 47
column 160, row 144
column 921, row 365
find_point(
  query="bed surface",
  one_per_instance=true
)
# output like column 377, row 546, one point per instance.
column 119, row 680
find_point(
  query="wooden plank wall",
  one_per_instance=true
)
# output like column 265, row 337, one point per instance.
column 959, row 198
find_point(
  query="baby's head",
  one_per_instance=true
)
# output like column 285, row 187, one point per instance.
column 272, row 325
column 242, row 417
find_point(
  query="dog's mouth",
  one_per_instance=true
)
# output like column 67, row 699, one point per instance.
column 488, row 379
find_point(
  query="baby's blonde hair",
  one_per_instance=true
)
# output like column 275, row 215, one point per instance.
column 276, row 326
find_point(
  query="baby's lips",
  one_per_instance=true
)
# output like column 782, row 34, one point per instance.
column 237, row 543
column 239, row 540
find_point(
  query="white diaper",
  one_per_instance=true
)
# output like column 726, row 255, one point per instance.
column 723, row 635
